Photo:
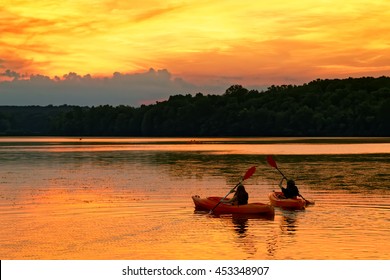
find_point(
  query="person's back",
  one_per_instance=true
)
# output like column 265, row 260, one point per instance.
column 242, row 195
column 291, row 191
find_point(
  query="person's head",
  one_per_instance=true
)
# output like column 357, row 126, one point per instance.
column 290, row 183
column 240, row 188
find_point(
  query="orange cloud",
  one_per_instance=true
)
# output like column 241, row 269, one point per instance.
column 247, row 42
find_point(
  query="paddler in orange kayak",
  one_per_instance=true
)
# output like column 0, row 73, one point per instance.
column 291, row 191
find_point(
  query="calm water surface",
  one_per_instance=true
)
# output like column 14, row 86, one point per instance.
column 130, row 198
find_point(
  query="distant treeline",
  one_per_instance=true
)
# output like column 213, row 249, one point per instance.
column 338, row 107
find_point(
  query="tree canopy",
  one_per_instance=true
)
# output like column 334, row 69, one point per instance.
column 336, row 107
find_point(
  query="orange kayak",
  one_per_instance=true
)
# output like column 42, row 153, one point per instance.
column 227, row 208
column 277, row 199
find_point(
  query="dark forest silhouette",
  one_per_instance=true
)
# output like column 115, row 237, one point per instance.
column 337, row 107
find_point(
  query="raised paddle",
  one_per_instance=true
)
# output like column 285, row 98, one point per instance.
column 248, row 174
column 271, row 162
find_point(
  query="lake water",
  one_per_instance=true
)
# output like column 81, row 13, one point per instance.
column 130, row 198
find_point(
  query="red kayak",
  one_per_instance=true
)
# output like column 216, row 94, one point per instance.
column 277, row 199
column 226, row 208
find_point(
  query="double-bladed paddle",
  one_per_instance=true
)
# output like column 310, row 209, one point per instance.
column 248, row 174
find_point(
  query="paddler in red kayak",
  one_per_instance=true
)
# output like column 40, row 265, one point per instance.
column 291, row 191
column 240, row 196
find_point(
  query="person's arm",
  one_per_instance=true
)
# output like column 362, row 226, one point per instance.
column 280, row 184
column 233, row 198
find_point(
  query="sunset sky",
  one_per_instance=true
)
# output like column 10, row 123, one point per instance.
column 193, row 46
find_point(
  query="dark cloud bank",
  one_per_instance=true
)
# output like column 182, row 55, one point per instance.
column 73, row 89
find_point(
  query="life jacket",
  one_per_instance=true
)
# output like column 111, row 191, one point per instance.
column 242, row 198
column 290, row 191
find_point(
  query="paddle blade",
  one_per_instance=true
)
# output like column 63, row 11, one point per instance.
column 271, row 162
column 249, row 173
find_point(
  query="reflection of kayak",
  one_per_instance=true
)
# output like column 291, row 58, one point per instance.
column 225, row 208
column 277, row 199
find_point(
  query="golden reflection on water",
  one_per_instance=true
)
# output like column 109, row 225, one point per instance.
column 95, row 224
column 60, row 202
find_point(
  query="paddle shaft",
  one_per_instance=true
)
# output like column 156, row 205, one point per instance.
column 281, row 173
column 307, row 201
column 219, row 202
